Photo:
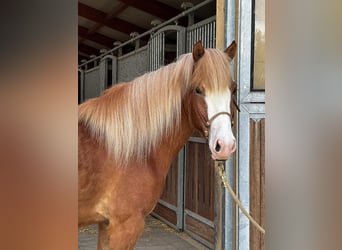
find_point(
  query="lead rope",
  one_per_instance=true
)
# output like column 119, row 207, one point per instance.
column 220, row 170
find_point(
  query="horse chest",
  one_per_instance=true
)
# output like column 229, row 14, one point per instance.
column 138, row 192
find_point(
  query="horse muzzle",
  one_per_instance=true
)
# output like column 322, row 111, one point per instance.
column 221, row 149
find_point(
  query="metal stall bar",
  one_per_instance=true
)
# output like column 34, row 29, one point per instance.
column 204, row 30
column 244, row 75
column 105, row 70
column 157, row 45
column 229, row 209
column 81, row 85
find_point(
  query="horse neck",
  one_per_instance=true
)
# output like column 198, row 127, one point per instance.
column 170, row 145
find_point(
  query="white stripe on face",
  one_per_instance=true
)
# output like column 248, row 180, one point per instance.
column 221, row 139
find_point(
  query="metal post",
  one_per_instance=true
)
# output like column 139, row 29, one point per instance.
column 119, row 52
column 191, row 15
column 81, row 85
column 137, row 41
column 244, row 83
column 83, row 61
column 93, row 57
column 232, row 163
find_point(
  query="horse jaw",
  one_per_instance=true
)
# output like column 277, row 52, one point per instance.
column 222, row 142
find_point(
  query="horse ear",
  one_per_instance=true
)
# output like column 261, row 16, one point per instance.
column 231, row 50
column 197, row 51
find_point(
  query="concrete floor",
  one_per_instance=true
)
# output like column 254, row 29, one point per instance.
column 157, row 236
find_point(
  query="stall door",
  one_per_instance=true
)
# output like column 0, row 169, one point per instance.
column 164, row 47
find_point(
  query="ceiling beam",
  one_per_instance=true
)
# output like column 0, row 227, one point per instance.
column 117, row 10
column 98, row 16
column 88, row 50
column 111, row 14
column 154, row 7
column 82, row 56
column 95, row 37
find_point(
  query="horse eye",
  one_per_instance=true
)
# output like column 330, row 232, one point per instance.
column 199, row 91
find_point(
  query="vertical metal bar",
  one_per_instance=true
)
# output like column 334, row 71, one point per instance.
column 180, row 189
column 230, row 19
column 204, row 36
column 243, row 180
column 181, row 42
column 81, row 85
column 162, row 56
column 213, row 34
column 156, row 52
column 187, row 41
column 149, row 54
column 190, row 41
column 245, row 43
column 152, row 53
column 230, row 239
column 159, row 51
column 213, row 37
column 196, row 35
column 244, row 75
column 114, row 70
column 102, row 74
column 178, row 44
column 210, row 35
column 193, row 36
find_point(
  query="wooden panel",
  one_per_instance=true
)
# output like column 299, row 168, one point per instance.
column 171, row 183
column 262, row 182
column 200, row 178
column 166, row 213
column 257, row 181
column 200, row 228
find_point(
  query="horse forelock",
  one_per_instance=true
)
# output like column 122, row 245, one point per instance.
column 131, row 119
column 213, row 71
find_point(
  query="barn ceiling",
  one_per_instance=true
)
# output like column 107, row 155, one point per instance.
column 103, row 22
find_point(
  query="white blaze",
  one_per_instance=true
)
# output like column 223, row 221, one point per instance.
column 220, row 129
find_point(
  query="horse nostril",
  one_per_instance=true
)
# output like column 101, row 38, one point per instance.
column 218, row 147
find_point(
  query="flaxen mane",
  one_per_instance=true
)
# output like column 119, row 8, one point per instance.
column 131, row 118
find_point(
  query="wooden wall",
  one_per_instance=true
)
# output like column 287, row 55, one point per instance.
column 257, row 181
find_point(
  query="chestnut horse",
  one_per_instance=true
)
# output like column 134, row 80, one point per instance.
column 129, row 136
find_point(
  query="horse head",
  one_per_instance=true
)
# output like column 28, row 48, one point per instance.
column 210, row 98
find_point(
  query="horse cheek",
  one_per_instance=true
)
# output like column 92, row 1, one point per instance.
column 199, row 113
